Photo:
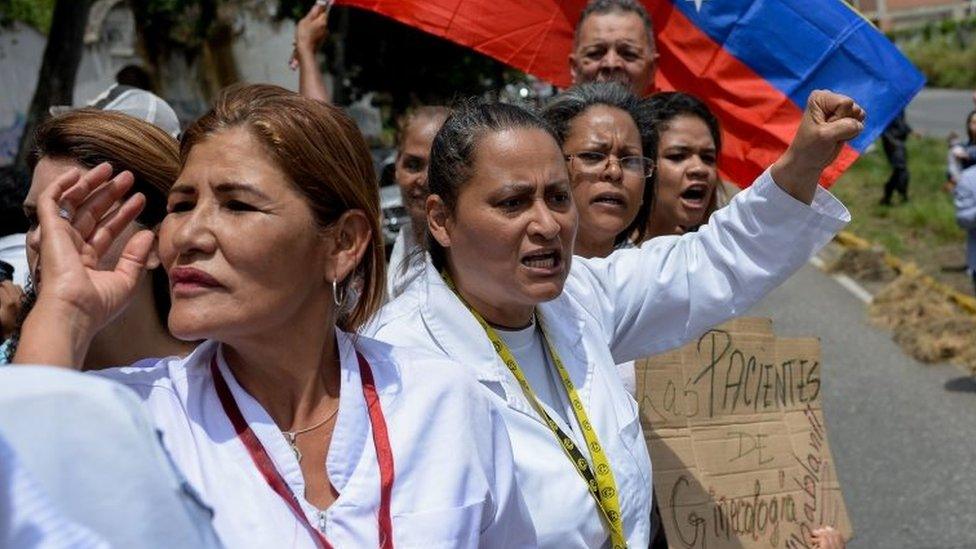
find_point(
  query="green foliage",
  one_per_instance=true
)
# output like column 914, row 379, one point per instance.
column 179, row 25
column 945, row 52
column 913, row 229
column 36, row 13
column 944, row 65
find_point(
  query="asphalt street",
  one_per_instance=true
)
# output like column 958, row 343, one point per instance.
column 903, row 433
column 936, row 112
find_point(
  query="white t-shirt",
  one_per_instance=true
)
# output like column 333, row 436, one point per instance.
column 530, row 352
column 454, row 484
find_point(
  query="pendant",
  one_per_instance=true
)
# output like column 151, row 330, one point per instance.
column 291, row 438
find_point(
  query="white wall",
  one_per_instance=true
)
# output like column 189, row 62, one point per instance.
column 21, row 48
column 262, row 49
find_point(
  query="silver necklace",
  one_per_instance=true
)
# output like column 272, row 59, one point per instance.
column 292, row 436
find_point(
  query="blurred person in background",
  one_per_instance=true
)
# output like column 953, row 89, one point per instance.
column 964, row 198
column 310, row 32
column 416, row 133
column 13, row 255
column 962, row 152
column 893, row 142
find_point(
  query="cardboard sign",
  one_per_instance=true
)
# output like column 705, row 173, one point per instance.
column 738, row 441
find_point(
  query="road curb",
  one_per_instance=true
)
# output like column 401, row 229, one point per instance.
column 851, row 241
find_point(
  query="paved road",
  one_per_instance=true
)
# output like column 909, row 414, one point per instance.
column 903, row 433
column 937, row 112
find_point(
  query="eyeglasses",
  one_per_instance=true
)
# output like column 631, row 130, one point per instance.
column 593, row 161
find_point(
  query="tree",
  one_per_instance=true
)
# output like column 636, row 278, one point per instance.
column 59, row 66
column 367, row 52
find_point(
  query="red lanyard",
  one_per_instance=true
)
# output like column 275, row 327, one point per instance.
column 381, row 441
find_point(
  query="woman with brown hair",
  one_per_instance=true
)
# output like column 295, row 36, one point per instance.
column 297, row 432
column 81, row 140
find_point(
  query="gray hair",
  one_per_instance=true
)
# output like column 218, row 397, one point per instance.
column 568, row 105
column 565, row 107
column 600, row 7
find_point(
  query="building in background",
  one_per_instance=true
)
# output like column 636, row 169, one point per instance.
column 111, row 42
column 895, row 14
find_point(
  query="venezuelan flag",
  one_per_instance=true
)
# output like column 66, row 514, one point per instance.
column 754, row 62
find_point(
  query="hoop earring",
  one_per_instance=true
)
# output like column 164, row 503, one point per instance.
column 335, row 294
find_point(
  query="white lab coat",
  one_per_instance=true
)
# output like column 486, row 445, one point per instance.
column 454, row 480
column 635, row 303
column 406, row 262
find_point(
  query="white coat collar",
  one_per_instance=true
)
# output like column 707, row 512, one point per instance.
column 352, row 429
column 461, row 337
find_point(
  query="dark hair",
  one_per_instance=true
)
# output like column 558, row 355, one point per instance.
column 969, row 133
column 659, row 110
column 600, row 7
column 452, row 154
column 565, row 107
column 322, row 152
column 13, row 190
column 135, row 76
column 91, row 136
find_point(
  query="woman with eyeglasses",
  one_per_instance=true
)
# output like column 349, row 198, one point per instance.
column 542, row 331
column 597, row 127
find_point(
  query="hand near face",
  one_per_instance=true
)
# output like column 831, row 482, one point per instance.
column 74, row 294
column 829, row 121
column 11, row 297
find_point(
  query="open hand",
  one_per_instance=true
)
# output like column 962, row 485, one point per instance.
column 830, row 120
column 78, row 226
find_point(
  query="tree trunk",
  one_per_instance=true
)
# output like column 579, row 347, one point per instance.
column 56, row 81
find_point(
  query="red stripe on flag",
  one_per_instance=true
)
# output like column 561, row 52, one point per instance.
column 758, row 121
column 533, row 36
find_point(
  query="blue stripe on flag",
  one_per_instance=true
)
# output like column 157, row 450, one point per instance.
column 802, row 45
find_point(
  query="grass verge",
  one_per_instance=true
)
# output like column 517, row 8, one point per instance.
column 922, row 230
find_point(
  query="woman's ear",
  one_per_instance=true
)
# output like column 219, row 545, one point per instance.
column 438, row 219
column 349, row 238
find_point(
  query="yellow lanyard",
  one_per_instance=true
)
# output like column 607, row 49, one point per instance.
column 602, row 486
